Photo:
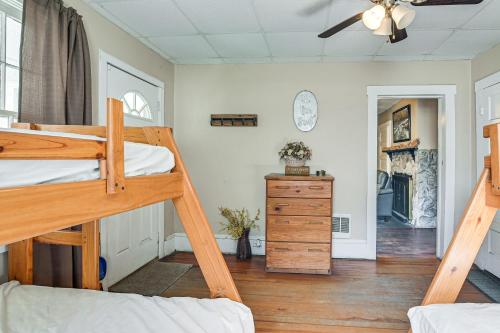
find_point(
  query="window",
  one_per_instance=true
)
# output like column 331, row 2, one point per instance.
column 10, row 42
column 136, row 105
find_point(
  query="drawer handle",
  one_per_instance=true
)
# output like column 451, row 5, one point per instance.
column 315, row 205
column 283, row 187
column 315, row 222
column 282, row 222
column 282, row 249
column 316, row 187
column 282, row 204
column 314, row 250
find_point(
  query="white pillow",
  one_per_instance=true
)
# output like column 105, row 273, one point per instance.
column 455, row 318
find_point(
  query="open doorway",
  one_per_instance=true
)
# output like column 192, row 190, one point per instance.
column 407, row 176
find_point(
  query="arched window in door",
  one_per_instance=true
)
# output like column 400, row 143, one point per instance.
column 136, row 105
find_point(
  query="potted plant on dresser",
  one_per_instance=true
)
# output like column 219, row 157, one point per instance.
column 238, row 225
column 295, row 155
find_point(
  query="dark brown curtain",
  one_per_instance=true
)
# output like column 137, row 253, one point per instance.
column 55, row 65
column 55, row 88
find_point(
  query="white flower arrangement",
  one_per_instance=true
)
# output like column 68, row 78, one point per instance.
column 295, row 150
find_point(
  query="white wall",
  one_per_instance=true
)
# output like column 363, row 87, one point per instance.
column 427, row 123
column 228, row 165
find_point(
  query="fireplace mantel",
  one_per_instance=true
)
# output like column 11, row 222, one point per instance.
column 405, row 147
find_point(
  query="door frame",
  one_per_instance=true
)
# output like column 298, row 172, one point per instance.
column 484, row 83
column 106, row 59
column 446, row 127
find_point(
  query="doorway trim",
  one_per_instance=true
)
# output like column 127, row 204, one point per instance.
column 106, row 59
column 446, row 205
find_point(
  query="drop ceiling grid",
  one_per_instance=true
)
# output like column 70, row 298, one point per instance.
column 237, row 45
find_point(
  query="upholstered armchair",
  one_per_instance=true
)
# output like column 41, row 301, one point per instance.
column 384, row 194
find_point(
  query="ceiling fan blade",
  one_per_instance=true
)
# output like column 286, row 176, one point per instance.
column 341, row 26
column 315, row 8
column 446, row 2
column 397, row 34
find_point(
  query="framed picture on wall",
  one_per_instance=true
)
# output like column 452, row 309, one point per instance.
column 401, row 124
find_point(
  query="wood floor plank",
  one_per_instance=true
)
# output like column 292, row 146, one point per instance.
column 361, row 296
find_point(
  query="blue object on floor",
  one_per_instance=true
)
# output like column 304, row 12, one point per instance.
column 486, row 282
column 102, row 268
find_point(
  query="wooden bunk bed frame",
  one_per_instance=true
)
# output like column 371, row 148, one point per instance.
column 40, row 213
column 472, row 230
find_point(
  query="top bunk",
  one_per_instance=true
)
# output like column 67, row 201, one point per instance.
column 30, row 211
column 97, row 181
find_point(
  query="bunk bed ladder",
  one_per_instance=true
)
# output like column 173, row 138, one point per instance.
column 472, row 230
column 195, row 223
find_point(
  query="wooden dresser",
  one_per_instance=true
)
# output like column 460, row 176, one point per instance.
column 299, row 224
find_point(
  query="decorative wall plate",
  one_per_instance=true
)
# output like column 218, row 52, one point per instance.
column 305, row 110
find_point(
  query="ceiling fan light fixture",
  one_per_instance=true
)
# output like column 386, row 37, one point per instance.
column 373, row 17
column 403, row 16
column 385, row 28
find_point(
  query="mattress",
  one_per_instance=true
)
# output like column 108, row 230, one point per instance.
column 140, row 159
column 455, row 318
column 58, row 310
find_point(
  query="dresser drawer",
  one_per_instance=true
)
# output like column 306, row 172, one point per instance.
column 311, row 229
column 296, row 206
column 299, row 189
column 298, row 256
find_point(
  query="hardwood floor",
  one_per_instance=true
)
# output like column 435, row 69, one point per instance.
column 360, row 297
column 400, row 240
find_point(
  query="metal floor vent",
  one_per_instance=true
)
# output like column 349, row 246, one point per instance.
column 341, row 225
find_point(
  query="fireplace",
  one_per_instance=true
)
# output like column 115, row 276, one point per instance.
column 402, row 186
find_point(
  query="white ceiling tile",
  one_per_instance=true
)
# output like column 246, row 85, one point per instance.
column 290, row 15
column 353, row 43
column 296, row 60
column 295, row 44
column 399, row 58
column 343, row 9
column 220, row 16
column 151, row 17
column 417, row 43
column 442, row 17
column 247, row 60
column 468, row 43
column 239, row 45
column 488, row 18
column 178, row 47
column 199, row 61
column 348, row 59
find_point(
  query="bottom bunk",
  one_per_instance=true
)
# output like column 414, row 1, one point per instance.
column 25, row 308
column 455, row 318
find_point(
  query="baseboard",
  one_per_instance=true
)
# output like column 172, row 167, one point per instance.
column 169, row 245
column 342, row 248
column 351, row 249
column 226, row 244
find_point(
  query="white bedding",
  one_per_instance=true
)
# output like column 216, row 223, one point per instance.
column 25, row 309
column 140, row 159
column 455, row 318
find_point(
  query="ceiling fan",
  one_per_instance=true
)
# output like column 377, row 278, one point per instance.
column 391, row 17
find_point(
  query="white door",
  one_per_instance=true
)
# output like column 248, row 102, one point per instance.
column 487, row 112
column 130, row 240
